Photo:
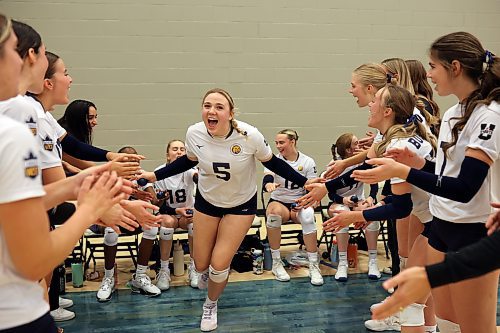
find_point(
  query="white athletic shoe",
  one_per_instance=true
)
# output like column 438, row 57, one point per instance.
column 388, row 324
column 65, row 303
column 279, row 271
column 61, row 314
column 193, row 277
column 373, row 272
column 163, row 279
column 106, row 289
column 209, row 317
column 142, row 284
column 341, row 274
column 203, row 280
column 315, row 274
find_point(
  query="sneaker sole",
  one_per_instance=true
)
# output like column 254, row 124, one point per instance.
column 63, row 319
column 136, row 290
column 374, row 277
column 282, row 280
column 397, row 329
column 318, row 284
column 208, row 329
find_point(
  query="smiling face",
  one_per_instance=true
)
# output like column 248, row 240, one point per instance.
column 440, row 76
column 175, row 150
column 217, row 114
column 92, row 117
column 285, row 145
column 377, row 111
column 60, row 83
column 361, row 92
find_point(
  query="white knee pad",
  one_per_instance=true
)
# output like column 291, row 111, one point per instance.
column 412, row 315
column 373, row 226
column 307, row 220
column 273, row 221
column 166, row 233
column 190, row 229
column 218, row 276
column 110, row 237
column 446, row 326
column 150, row 233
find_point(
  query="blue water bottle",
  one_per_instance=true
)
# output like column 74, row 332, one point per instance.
column 334, row 255
column 268, row 258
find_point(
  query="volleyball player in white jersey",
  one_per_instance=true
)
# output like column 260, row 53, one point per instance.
column 345, row 147
column 279, row 209
column 25, row 260
column 177, row 212
column 226, row 199
column 465, row 177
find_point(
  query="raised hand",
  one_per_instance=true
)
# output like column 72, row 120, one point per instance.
column 342, row 219
column 405, row 156
column 493, row 222
column 334, row 169
column 139, row 209
column 386, row 168
column 316, row 192
column 118, row 216
column 270, row 187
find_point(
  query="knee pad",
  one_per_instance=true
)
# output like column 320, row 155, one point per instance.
column 166, row 233
column 446, row 326
column 190, row 229
column 307, row 220
column 343, row 231
column 150, row 233
column 412, row 315
column 373, row 226
column 218, row 276
column 110, row 237
column 273, row 221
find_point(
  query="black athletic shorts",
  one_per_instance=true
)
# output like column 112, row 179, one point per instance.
column 205, row 207
column 427, row 229
column 448, row 236
column 44, row 324
column 287, row 205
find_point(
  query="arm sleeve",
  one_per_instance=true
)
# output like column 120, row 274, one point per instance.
column 466, row 264
column 83, row 151
column 180, row 165
column 462, row 189
column 283, row 169
column 400, row 207
column 336, row 198
column 429, row 166
column 345, row 180
column 373, row 191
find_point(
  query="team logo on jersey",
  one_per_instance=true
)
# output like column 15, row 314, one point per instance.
column 267, row 144
column 31, row 125
column 486, row 131
column 48, row 144
column 300, row 168
column 31, row 166
column 236, row 149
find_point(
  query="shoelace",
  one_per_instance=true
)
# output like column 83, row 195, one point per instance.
column 144, row 280
column 106, row 284
column 207, row 310
column 163, row 274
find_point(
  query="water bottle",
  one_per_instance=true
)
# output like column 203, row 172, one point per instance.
column 115, row 274
column 178, row 259
column 268, row 258
column 334, row 255
column 354, row 198
column 258, row 261
column 61, row 271
column 77, row 274
column 352, row 253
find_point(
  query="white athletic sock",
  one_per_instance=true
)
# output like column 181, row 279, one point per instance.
column 342, row 257
column 208, row 301
column 164, row 265
column 276, row 254
column 430, row 329
column 312, row 256
column 372, row 254
column 141, row 270
column 109, row 273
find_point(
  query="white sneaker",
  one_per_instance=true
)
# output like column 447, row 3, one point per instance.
column 341, row 274
column 142, row 284
column 315, row 274
column 388, row 324
column 61, row 314
column 373, row 272
column 279, row 271
column 193, row 277
column 106, row 289
column 203, row 280
column 209, row 317
column 65, row 303
column 163, row 279
column 373, row 306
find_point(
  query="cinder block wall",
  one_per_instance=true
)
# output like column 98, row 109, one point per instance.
column 287, row 63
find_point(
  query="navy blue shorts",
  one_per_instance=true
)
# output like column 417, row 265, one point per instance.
column 287, row 205
column 205, row 207
column 44, row 324
column 447, row 236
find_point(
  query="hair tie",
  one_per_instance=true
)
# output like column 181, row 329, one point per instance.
column 414, row 119
column 389, row 77
column 488, row 57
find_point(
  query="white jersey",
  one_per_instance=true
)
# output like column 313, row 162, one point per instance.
column 356, row 189
column 180, row 188
column 19, row 109
column 49, row 132
column 227, row 171
column 287, row 192
column 419, row 197
column 21, row 300
column 480, row 132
